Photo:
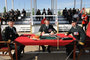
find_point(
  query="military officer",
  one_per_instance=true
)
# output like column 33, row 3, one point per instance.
column 47, row 28
column 79, row 34
column 10, row 33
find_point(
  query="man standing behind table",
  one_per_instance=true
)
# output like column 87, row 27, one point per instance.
column 80, row 36
column 10, row 33
column 47, row 28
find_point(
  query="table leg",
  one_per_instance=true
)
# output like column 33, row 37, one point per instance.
column 16, row 51
column 39, row 48
column 74, row 50
column 57, row 43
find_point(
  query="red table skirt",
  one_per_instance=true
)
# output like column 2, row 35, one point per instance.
column 27, row 41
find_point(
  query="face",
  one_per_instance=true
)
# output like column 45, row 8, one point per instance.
column 47, row 22
column 11, row 23
column 74, row 24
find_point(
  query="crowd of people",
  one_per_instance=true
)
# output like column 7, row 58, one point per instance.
column 71, row 13
column 13, row 14
column 77, row 14
column 49, row 12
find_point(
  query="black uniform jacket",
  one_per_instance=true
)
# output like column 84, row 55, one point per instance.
column 46, row 29
column 78, row 33
column 10, row 33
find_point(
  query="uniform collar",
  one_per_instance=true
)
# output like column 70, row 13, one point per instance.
column 10, row 27
column 75, row 27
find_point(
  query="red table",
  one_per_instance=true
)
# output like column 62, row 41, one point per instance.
column 25, row 40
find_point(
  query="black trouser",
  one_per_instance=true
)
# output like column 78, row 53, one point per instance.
column 44, row 48
column 84, row 25
column 19, row 50
column 70, row 47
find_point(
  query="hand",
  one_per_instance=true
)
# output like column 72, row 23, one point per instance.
column 66, row 34
column 9, row 40
column 43, row 33
column 51, row 33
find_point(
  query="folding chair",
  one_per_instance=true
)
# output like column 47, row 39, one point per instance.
column 5, row 50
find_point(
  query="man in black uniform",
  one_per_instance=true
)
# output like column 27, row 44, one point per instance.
column 65, row 13
column 49, row 13
column 38, row 13
column 24, row 13
column 79, row 34
column 47, row 28
column 10, row 33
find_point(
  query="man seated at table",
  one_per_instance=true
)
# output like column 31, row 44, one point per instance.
column 10, row 33
column 47, row 28
column 80, row 36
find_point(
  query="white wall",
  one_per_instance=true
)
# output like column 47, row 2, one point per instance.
column 35, row 28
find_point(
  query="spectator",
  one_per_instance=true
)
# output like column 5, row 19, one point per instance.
column 11, row 16
column 24, row 13
column 2, row 19
column 12, row 11
column 49, row 13
column 84, row 21
column 76, row 16
column 18, row 12
column 69, row 17
column 9, row 12
column 78, row 11
column 70, row 10
column 38, row 13
column 82, row 11
column 79, row 14
column 44, row 13
column 6, row 17
column 15, row 15
column 65, row 13
column 74, row 11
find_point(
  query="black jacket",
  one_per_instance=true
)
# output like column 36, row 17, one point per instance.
column 9, row 33
column 47, row 30
column 78, row 33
